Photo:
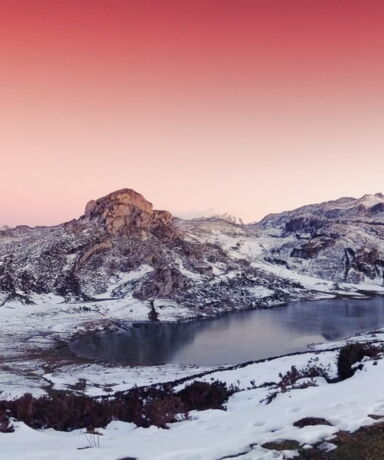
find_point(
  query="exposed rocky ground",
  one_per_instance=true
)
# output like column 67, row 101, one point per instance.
column 121, row 248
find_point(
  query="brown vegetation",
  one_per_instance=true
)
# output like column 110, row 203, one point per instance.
column 142, row 406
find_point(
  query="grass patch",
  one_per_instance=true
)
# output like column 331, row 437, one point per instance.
column 367, row 443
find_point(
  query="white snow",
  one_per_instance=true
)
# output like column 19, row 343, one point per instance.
column 123, row 278
column 101, row 380
column 369, row 200
column 188, row 273
column 260, row 291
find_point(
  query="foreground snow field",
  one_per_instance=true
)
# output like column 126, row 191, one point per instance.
column 241, row 430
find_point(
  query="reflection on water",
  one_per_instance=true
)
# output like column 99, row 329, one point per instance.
column 235, row 337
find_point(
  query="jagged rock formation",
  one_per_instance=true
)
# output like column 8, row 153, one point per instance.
column 126, row 210
column 121, row 248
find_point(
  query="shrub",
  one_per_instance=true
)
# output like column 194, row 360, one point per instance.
column 372, row 351
column 5, row 425
column 311, row 421
column 203, row 395
column 146, row 407
column 348, row 356
column 61, row 411
column 165, row 410
column 289, row 380
column 310, row 371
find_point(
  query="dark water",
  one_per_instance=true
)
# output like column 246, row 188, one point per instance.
column 236, row 337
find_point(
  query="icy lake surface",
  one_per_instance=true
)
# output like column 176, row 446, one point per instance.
column 233, row 338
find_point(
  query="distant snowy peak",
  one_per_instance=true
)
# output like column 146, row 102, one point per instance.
column 229, row 218
column 371, row 200
column 369, row 206
column 339, row 240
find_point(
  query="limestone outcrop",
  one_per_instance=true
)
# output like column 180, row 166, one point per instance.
column 126, row 211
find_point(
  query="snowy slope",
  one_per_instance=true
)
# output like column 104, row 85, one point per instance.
column 241, row 431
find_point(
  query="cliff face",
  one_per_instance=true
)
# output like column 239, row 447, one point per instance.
column 121, row 248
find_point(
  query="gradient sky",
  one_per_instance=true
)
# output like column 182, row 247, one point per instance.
column 241, row 106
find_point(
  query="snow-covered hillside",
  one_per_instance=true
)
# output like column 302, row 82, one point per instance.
column 338, row 240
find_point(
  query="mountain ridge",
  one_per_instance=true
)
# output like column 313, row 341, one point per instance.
column 123, row 249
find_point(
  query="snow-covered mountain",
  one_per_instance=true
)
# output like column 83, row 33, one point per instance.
column 123, row 249
column 338, row 240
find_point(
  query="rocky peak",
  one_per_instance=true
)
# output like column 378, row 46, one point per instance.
column 369, row 200
column 125, row 210
column 368, row 208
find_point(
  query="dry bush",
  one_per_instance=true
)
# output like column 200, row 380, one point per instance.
column 353, row 353
column 165, row 410
column 5, row 424
column 61, row 411
column 203, row 395
column 289, row 380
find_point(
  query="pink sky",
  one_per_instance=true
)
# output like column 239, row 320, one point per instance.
column 241, row 106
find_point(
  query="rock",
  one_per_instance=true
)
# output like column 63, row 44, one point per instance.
column 377, row 208
column 312, row 248
column 304, row 225
column 95, row 248
column 90, row 207
column 162, row 282
column 287, row 444
column 376, row 416
column 310, row 421
column 162, row 217
column 126, row 210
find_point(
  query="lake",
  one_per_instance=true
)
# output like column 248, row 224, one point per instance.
column 235, row 337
